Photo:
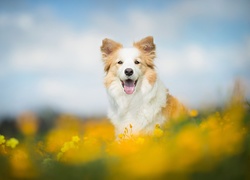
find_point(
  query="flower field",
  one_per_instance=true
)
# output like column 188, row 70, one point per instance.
column 206, row 144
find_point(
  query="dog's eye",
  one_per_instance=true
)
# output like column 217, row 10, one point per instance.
column 137, row 62
column 120, row 62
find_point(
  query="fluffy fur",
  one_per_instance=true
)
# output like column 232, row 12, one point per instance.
column 137, row 97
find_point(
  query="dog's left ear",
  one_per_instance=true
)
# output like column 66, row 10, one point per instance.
column 146, row 44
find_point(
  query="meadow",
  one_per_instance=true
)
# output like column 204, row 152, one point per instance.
column 210, row 143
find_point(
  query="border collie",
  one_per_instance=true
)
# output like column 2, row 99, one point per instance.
column 138, row 99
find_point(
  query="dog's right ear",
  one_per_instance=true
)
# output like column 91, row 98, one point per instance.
column 109, row 46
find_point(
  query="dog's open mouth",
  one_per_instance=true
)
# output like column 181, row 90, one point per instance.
column 129, row 86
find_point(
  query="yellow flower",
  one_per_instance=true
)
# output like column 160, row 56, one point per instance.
column 189, row 146
column 67, row 146
column 28, row 124
column 21, row 165
column 75, row 139
column 59, row 155
column 157, row 131
column 147, row 163
column 2, row 139
column 12, row 142
column 73, row 144
column 193, row 113
column 140, row 140
column 120, row 136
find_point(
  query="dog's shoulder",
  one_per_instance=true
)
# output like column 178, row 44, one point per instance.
column 174, row 108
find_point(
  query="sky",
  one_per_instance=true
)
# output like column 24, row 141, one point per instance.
column 50, row 50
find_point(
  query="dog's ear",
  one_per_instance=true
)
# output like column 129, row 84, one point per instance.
column 146, row 44
column 109, row 46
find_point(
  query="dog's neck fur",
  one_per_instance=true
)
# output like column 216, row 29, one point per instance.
column 141, row 110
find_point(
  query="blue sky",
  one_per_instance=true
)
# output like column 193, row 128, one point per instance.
column 49, row 50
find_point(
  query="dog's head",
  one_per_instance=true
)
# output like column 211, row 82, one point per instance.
column 129, row 66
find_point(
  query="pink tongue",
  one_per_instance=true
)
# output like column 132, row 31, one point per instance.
column 129, row 86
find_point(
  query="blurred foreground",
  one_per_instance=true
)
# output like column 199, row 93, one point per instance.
column 205, row 145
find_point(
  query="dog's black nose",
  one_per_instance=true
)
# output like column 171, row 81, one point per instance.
column 129, row 71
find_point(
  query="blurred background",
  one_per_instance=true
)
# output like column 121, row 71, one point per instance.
column 50, row 50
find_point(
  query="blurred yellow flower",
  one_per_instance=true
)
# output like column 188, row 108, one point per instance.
column 59, row 155
column 56, row 138
column 65, row 130
column 140, row 140
column 67, row 146
column 147, row 163
column 193, row 113
column 12, row 142
column 21, row 165
column 158, row 132
column 2, row 139
column 101, row 129
column 28, row 123
column 189, row 145
column 120, row 136
column 75, row 139
column 80, row 152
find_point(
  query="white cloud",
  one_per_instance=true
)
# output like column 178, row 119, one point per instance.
column 196, row 58
column 49, row 46
column 191, row 59
column 76, row 52
column 197, row 74
column 61, row 65
column 170, row 22
column 70, row 96
column 23, row 21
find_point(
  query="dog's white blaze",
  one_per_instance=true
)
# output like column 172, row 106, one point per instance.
column 128, row 56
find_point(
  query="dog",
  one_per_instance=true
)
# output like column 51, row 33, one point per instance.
column 138, row 99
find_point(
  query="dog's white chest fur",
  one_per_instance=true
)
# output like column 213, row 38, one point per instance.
column 141, row 110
